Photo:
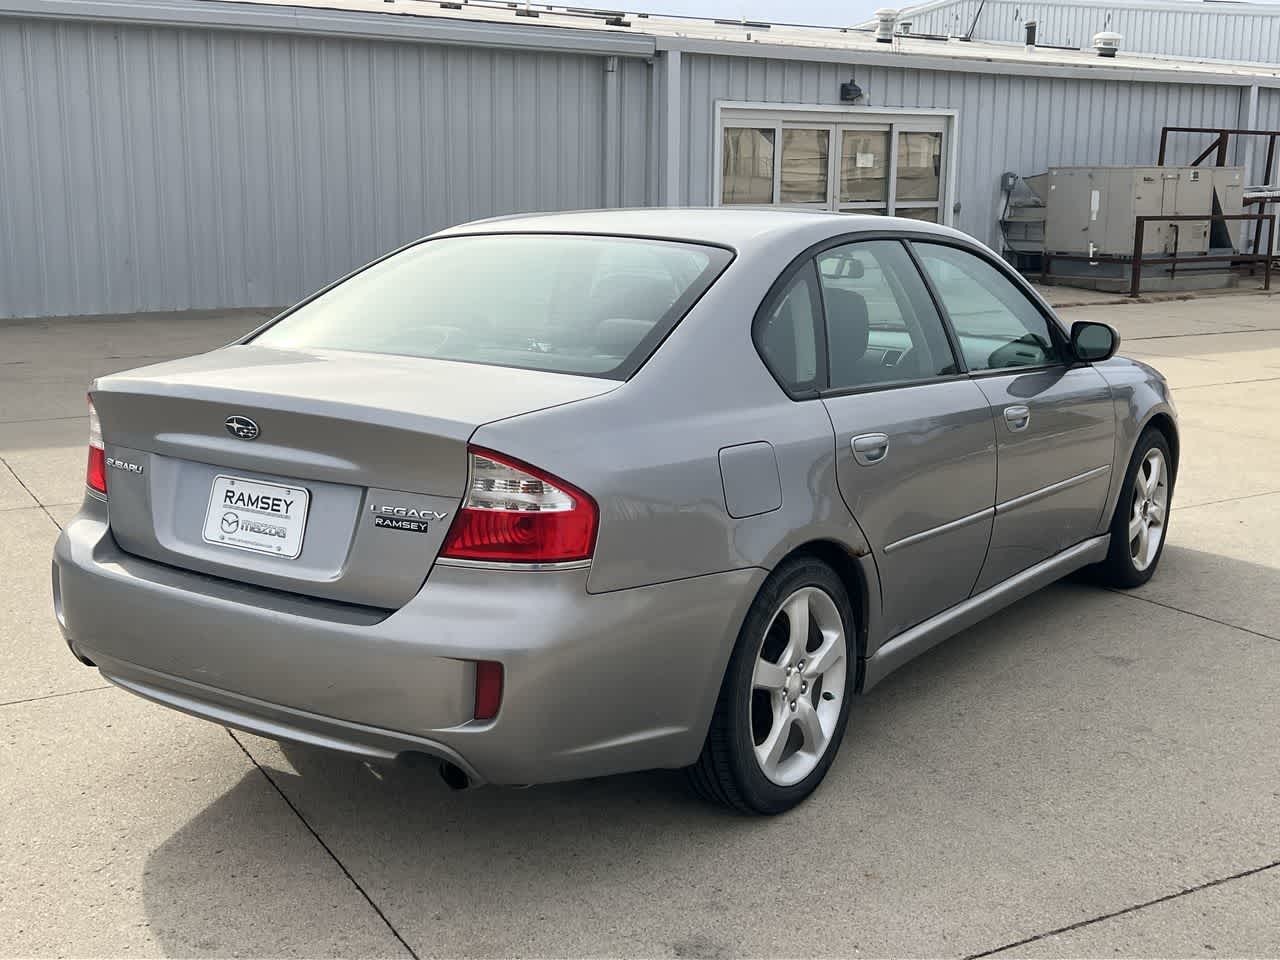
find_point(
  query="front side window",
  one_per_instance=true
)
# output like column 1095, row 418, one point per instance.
column 786, row 332
column 881, row 323
column 588, row 305
column 996, row 324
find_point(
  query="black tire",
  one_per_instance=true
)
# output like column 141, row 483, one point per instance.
column 727, row 772
column 1120, row 569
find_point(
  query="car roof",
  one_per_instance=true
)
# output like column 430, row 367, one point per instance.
column 717, row 225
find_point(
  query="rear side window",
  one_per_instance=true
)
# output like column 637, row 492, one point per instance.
column 786, row 331
column 587, row 305
column 996, row 324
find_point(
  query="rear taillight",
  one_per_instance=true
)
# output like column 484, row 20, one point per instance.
column 516, row 513
column 95, row 475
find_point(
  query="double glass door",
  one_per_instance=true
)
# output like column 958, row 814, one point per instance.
column 891, row 167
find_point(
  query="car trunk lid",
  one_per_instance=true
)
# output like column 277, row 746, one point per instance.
column 346, row 488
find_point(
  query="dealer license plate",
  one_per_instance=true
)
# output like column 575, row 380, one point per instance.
column 251, row 515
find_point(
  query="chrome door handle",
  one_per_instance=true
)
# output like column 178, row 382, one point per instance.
column 1018, row 418
column 870, row 448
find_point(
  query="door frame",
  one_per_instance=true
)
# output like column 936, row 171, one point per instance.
column 834, row 116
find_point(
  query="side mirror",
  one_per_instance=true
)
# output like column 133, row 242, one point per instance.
column 1093, row 342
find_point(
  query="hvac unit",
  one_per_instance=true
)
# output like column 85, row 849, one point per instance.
column 1091, row 210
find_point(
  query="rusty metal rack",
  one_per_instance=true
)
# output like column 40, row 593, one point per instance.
column 1140, row 259
column 1221, row 139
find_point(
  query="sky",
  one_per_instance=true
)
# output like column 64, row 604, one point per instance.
column 824, row 12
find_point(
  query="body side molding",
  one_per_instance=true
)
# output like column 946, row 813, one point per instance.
column 915, row 641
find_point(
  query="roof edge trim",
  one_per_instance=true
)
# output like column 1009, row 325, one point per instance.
column 267, row 17
column 960, row 64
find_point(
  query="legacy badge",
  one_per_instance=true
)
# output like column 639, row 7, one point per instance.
column 406, row 519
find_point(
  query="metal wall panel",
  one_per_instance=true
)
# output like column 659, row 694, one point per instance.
column 1014, row 123
column 1268, row 118
column 159, row 169
column 1213, row 33
column 634, row 103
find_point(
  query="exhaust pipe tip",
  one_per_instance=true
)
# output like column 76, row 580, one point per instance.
column 454, row 776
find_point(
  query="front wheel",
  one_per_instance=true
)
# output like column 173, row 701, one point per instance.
column 784, row 701
column 1141, row 520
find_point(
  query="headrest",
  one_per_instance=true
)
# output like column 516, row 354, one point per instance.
column 848, row 325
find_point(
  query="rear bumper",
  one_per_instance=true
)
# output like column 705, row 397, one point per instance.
column 273, row 720
column 594, row 683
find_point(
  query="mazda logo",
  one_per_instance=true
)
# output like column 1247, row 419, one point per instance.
column 230, row 522
column 242, row 428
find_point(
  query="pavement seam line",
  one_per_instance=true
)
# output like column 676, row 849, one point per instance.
column 37, row 506
column 1192, row 613
column 51, row 696
column 1210, row 503
column 79, row 416
column 1203, row 333
column 324, row 846
column 1124, row 910
column 1224, row 383
column 30, row 493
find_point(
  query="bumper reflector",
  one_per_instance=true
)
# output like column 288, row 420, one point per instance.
column 488, row 689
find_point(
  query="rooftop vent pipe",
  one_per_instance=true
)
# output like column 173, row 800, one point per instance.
column 1030, row 27
column 1107, row 43
column 904, row 28
column 886, row 17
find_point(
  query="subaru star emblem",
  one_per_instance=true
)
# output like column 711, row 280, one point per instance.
column 242, row 428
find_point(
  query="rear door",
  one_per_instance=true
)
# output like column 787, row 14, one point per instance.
column 915, row 445
column 1054, row 420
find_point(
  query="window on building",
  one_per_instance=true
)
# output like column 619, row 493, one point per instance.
column 882, row 163
column 804, row 166
column 919, row 172
column 864, row 170
column 747, row 170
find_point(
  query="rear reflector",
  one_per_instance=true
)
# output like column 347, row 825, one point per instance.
column 488, row 689
column 95, row 476
column 516, row 513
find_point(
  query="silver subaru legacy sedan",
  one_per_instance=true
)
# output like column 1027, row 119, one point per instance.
column 561, row 496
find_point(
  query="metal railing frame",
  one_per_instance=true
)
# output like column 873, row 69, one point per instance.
column 1140, row 259
column 1219, row 143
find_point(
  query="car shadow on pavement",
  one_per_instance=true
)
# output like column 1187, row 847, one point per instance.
column 991, row 752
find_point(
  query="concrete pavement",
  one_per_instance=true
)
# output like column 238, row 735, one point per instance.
column 1088, row 772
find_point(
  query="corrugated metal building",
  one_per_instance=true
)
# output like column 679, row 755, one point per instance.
column 174, row 154
column 1227, row 30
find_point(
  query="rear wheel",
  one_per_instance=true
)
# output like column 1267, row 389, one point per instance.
column 784, row 702
column 1141, row 519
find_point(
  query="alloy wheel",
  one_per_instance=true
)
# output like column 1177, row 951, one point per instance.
column 1149, row 511
column 798, row 686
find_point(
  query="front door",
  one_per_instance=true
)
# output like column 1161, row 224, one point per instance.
column 915, row 444
column 1054, row 420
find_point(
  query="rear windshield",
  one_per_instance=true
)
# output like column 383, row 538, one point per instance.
column 590, row 305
